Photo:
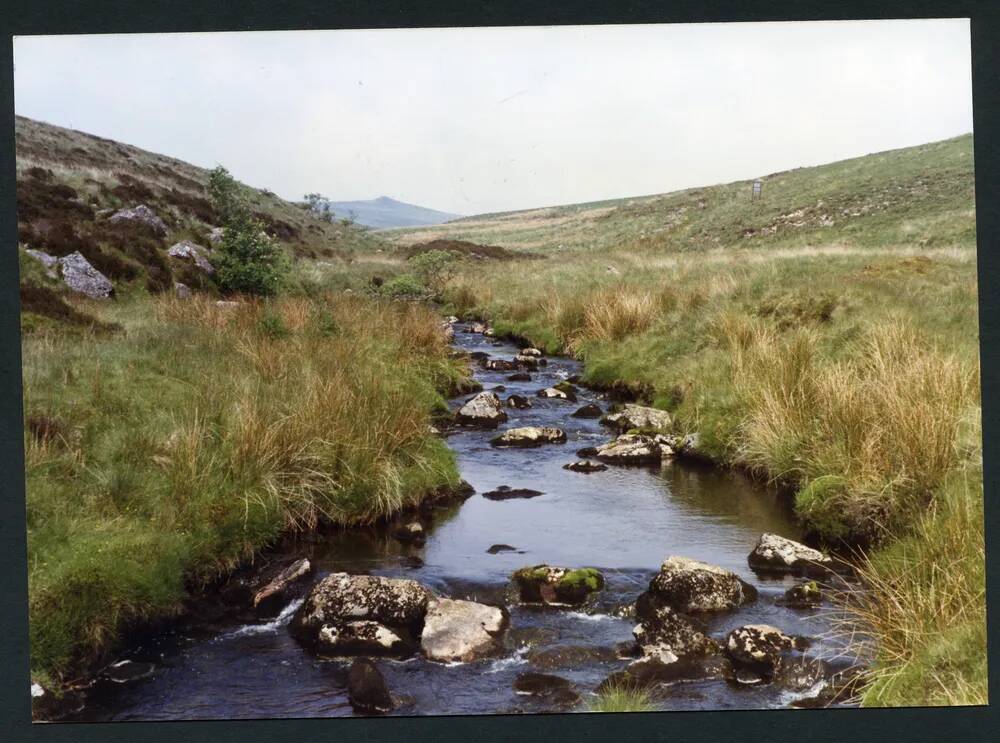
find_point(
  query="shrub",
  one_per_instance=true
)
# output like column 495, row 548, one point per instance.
column 622, row 697
column 435, row 268
column 404, row 286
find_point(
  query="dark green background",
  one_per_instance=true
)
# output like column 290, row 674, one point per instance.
column 22, row 17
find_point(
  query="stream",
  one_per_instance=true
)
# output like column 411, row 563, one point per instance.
column 623, row 521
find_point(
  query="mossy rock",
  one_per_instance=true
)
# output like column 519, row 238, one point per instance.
column 546, row 584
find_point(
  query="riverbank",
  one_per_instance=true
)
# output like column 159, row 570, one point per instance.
column 165, row 452
column 851, row 376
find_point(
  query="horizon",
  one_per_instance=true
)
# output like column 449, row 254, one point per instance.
column 514, row 127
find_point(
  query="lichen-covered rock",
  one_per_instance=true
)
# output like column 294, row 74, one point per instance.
column 530, row 351
column 346, row 614
column 143, row 215
column 570, row 656
column 759, row 648
column 774, row 554
column 366, row 688
column 518, row 401
column 631, row 416
column 635, row 448
column 182, row 291
column 667, row 636
column 802, row 596
column 691, row 586
column 483, row 410
column 690, row 447
column 461, row 631
column 82, row 277
column 586, row 466
column 269, row 599
column 448, row 331
column 189, row 251
column 590, row 410
column 546, row 584
column 529, row 362
column 528, row 436
column 216, row 234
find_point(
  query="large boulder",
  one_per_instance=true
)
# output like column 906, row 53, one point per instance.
column 590, row 410
column 774, row 554
column 143, row 215
column 691, row 586
column 546, row 584
column 189, row 251
column 631, row 416
column 362, row 614
column 759, row 648
column 366, row 689
column 483, row 410
column 668, row 637
column 635, row 448
column 528, row 436
column 82, row 277
column 269, row 599
column 461, row 631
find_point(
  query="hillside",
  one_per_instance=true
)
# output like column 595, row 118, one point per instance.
column 384, row 212
column 68, row 183
column 919, row 195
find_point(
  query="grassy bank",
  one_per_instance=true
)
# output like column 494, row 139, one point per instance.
column 164, row 453
column 826, row 338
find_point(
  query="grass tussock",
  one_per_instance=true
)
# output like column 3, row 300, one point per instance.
column 622, row 698
column 229, row 427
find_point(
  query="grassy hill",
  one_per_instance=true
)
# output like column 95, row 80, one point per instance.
column 919, row 196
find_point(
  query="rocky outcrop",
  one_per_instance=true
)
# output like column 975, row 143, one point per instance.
column 586, row 466
column 759, row 648
column 366, row 688
column 362, row 614
column 189, row 251
column 461, row 631
column 483, row 410
column 666, row 636
column 691, row 586
column 546, row 584
column 774, row 554
column 631, row 416
column 590, row 410
column 269, row 599
column 528, row 436
column 635, row 448
column 82, row 277
column 143, row 215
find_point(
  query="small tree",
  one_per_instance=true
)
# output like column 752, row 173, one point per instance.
column 319, row 205
column 248, row 260
column 435, row 268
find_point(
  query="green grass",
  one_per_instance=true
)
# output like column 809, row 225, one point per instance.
column 622, row 698
column 179, row 446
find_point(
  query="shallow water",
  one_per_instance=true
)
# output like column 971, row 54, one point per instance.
column 624, row 521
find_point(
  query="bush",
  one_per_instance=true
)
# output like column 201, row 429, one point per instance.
column 435, row 268
column 404, row 286
column 247, row 261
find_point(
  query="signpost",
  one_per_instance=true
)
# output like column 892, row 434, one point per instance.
column 755, row 192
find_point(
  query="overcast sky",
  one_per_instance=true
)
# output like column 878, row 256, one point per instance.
column 477, row 120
